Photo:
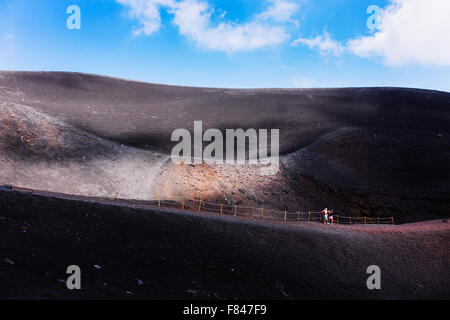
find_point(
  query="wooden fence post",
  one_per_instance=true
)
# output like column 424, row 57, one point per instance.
column 393, row 220
column 182, row 203
column 117, row 194
column 200, row 206
column 262, row 212
column 221, row 209
column 159, row 201
column 309, row 216
column 285, row 216
column 298, row 216
column 235, row 211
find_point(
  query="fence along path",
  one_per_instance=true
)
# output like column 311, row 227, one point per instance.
column 261, row 213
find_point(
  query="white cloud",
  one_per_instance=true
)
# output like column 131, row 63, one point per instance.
column 323, row 44
column 411, row 32
column 281, row 11
column 192, row 17
column 194, row 20
column 148, row 13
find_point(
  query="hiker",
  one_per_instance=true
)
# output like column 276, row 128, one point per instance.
column 331, row 218
column 325, row 215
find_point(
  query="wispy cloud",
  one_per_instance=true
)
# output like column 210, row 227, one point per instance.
column 194, row 20
column 148, row 13
column 411, row 32
column 323, row 44
column 281, row 11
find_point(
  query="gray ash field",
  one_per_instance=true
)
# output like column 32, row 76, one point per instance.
column 375, row 152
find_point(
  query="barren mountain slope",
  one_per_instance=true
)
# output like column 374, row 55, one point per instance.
column 370, row 151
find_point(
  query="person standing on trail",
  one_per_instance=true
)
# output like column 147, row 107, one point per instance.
column 330, row 217
column 325, row 215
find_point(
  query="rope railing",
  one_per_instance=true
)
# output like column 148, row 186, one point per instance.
column 260, row 213
column 286, row 216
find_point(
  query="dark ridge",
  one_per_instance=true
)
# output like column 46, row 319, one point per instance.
column 144, row 115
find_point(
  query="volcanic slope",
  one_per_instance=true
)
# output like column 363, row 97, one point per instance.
column 362, row 151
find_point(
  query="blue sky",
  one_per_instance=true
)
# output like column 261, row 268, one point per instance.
column 234, row 43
